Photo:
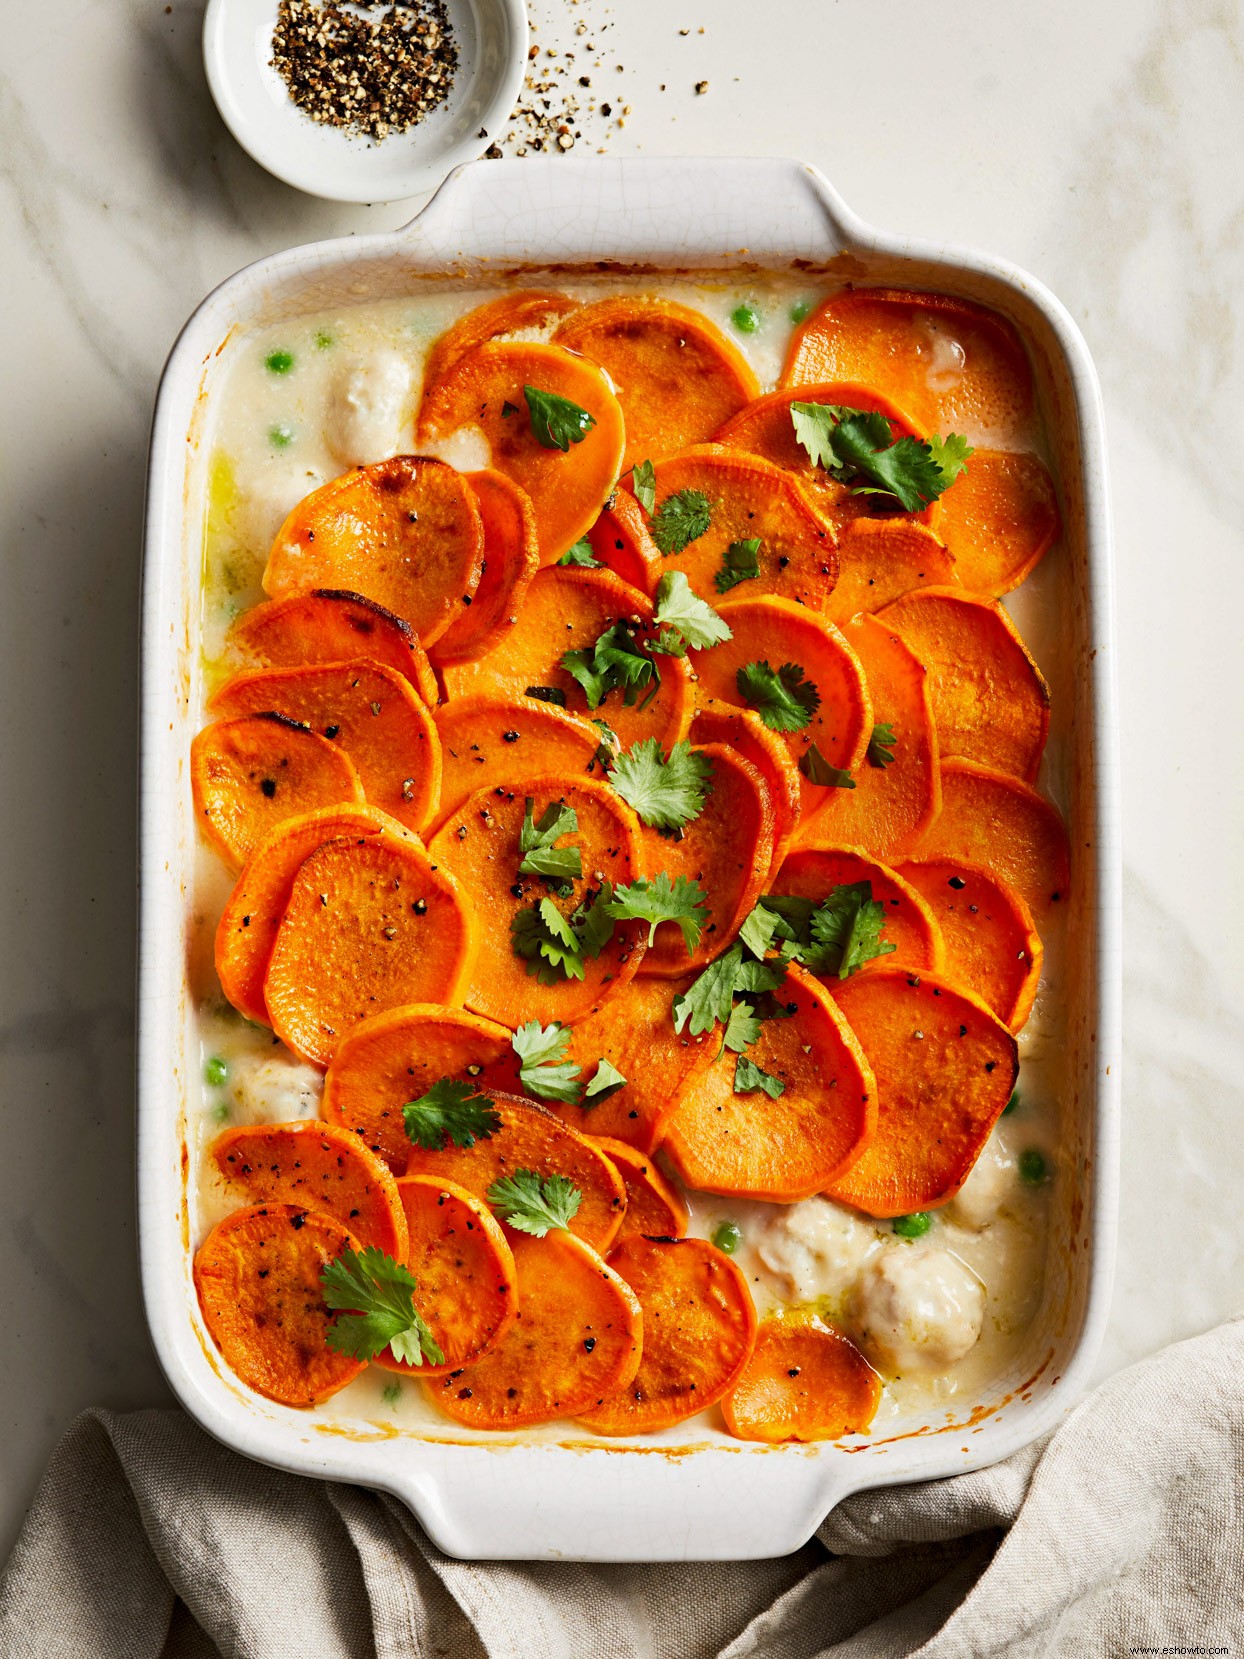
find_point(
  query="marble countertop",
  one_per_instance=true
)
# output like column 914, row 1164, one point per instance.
column 1096, row 144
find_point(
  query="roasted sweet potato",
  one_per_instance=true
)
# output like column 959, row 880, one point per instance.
column 745, row 732
column 565, row 610
column 464, row 1270
column 992, row 819
column 945, row 1067
column 881, row 558
column 991, row 944
column 990, row 700
column 952, row 365
column 619, row 539
column 804, row 1381
column 371, row 924
column 330, row 626
column 814, row 869
column 480, row 845
column 999, row 519
column 253, row 773
column 699, row 1330
column 486, row 741
column 508, row 314
column 892, row 804
column 575, row 1341
column 511, row 559
column 369, row 712
column 405, row 532
column 532, row 1138
column 750, row 1145
column 258, row 1279
column 678, row 377
column 486, row 389
column 654, row 1207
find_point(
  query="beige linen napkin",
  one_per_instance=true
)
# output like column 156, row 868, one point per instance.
column 1126, row 1535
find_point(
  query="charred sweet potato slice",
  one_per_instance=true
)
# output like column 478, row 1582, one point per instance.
column 253, row 773
column 753, row 1146
column 327, row 625
column 945, row 1067
column 369, row 712
column 990, row 700
column 893, row 802
column 486, row 389
column 999, row 519
column 954, row 366
column 568, row 610
column 803, row 1382
column 575, row 1341
column 881, row 558
column 746, row 733
column 991, row 944
column 511, row 559
column 654, row 1206
column 814, row 869
column 994, row 820
column 620, row 540
column 486, row 741
column 509, row 314
column 258, row 1279
column 531, row 1138
column 678, row 377
column 397, row 1057
column 699, row 1330
column 464, row 1271
column 405, row 532
column 318, row 1167
column 371, row 924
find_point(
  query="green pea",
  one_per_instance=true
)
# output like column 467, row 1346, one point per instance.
column 221, row 1113
column 281, row 435
column 1033, row 1169
column 279, row 362
column 912, row 1226
column 324, row 339
column 728, row 1237
column 800, row 310
column 745, row 318
column 216, row 1071
column 391, row 1393
column 1012, row 1104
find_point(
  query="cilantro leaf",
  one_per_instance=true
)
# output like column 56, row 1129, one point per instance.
column 614, row 663
column 580, row 554
column 542, row 1068
column 739, row 563
column 670, row 643
column 661, row 900
column 749, row 1078
column 378, row 1292
column 857, row 447
column 644, row 483
column 707, row 1001
column 606, row 1080
column 680, row 519
column 758, row 929
column 850, row 923
column 782, row 699
column 535, row 1204
column 449, row 1111
column 536, row 843
column 547, row 943
column 881, row 746
column 678, row 607
column 592, row 923
column 666, row 793
column 951, row 454
column 556, row 422
column 741, row 1028
column 608, row 748
column 816, row 769
column 547, row 694
column 760, row 976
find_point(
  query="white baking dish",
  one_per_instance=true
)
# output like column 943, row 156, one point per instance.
column 686, row 1495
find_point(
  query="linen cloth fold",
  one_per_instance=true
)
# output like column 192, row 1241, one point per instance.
column 1122, row 1533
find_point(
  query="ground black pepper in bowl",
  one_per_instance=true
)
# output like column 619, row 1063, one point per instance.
column 373, row 70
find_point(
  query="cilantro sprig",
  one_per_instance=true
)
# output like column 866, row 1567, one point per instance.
column 683, row 612
column 547, row 942
column 680, row 519
column 739, row 563
column 881, row 746
column 536, row 841
column 749, row 1078
column 782, row 697
column 857, row 447
column 543, row 1069
column 644, row 484
column 378, row 1293
column 606, row 1080
column 660, row 900
column 450, row 1111
column 667, row 792
column 580, row 554
column 556, row 422
column 533, row 1203
column 838, row 935
column 614, row 663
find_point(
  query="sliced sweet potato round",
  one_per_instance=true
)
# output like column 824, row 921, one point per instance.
column 371, row 924
column 575, row 1341
column 753, row 1146
column 509, row 314
column 749, row 499
column 531, row 1138
column 397, row 1057
column 318, row 1167
column 945, row 1067
column 511, row 559
column 892, row 804
column 994, row 820
column 404, row 532
column 990, row 700
column 727, row 850
column 804, row 1381
column 253, row 773
column 999, row 519
column 881, row 558
column 568, row 610
column 744, row 731
column 486, row 741
column 328, row 625
column 654, row 1206
column 699, row 1330
column 369, row 711
column 253, row 911
column 258, row 1279
column 991, row 944
column 480, row 845
column 620, row 540
column 464, row 1271
column 953, row 365
column 814, row 869
column 677, row 377
column 778, row 632
column 486, row 389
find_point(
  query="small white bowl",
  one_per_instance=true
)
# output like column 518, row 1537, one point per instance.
column 254, row 102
